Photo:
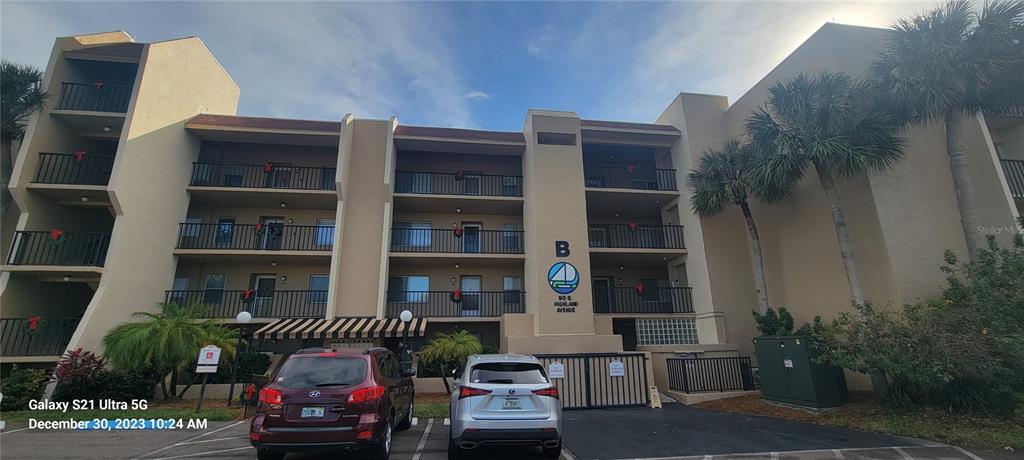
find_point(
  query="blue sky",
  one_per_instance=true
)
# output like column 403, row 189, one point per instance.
column 462, row 64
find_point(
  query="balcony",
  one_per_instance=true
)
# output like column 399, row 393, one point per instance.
column 435, row 183
column 631, row 300
column 216, row 240
column 636, row 236
column 442, row 304
column 48, row 337
column 456, row 241
column 265, row 176
column 629, row 177
column 59, row 248
column 74, row 169
column 275, row 304
column 94, row 97
column 1014, row 172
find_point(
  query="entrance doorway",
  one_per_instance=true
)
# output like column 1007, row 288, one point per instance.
column 471, row 236
column 263, row 304
column 469, row 286
column 603, row 299
column 273, row 233
column 626, row 327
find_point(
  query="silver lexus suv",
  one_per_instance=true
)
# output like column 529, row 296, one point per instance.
column 504, row 400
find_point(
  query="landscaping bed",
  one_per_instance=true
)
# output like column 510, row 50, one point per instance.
column 431, row 405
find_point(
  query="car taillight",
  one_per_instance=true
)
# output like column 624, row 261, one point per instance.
column 465, row 392
column 551, row 391
column 366, row 394
column 270, row 396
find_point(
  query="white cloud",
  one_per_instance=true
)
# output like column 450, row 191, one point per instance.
column 477, row 94
column 538, row 43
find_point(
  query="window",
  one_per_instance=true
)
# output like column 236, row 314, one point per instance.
column 225, row 230
column 510, row 238
column 324, row 232
column 411, row 289
column 665, row 331
column 415, row 234
column 508, row 373
column 513, row 287
column 318, row 288
column 314, row 372
column 214, row 288
column 556, row 138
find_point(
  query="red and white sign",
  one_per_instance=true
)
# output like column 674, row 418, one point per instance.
column 209, row 356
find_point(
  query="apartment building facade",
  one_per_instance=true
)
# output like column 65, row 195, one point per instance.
column 137, row 184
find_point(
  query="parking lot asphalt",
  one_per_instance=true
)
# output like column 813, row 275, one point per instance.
column 675, row 432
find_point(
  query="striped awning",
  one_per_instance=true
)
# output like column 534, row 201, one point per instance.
column 340, row 328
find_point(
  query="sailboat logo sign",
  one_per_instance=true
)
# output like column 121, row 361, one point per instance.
column 563, row 277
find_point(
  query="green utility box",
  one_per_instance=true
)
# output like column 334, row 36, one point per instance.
column 789, row 374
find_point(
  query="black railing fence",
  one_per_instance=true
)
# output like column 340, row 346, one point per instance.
column 263, row 176
column 467, row 240
column 692, row 375
column 77, row 169
column 94, row 97
column 56, row 247
column 629, row 177
column 454, row 183
column 227, row 303
column 437, row 304
column 1014, row 172
column 38, row 336
column 636, row 236
column 649, row 300
column 263, row 237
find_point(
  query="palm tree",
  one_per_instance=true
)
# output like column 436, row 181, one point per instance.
column 726, row 177
column 446, row 349
column 166, row 342
column 948, row 63
column 21, row 93
column 820, row 122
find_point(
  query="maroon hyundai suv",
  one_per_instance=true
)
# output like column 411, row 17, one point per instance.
column 323, row 400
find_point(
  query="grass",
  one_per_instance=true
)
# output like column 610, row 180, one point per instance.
column 864, row 412
column 213, row 410
column 431, row 405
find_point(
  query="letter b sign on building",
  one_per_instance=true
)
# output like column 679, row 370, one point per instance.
column 561, row 249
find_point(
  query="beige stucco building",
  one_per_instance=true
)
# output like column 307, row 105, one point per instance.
column 138, row 184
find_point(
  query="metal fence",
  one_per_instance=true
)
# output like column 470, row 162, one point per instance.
column 694, row 375
column 263, row 176
column 65, row 168
column 444, row 304
column 1014, row 172
column 594, row 380
column 94, row 97
column 636, row 236
column 49, row 336
column 463, row 241
column 436, row 183
column 652, row 300
column 226, row 303
column 629, row 177
column 59, row 248
column 262, row 237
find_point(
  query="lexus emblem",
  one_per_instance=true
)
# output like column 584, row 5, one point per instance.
column 512, row 392
column 314, row 394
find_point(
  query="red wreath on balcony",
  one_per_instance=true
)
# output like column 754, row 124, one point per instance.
column 57, row 235
column 457, row 231
column 268, row 167
column 248, row 295
column 631, row 169
column 33, row 323
column 640, row 289
column 459, row 175
column 633, row 227
column 259, row 227
column 456, row 296
column 79, row 155
column 98, row 85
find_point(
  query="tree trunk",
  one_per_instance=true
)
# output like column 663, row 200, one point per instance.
column 6, row 168
column 447, row 389
column 174, row 380
column 843, row 233
column 962, row 182
column 163, row 387
column 758, row 259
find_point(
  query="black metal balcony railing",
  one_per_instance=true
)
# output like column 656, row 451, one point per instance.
column 636, row 236
column 261, row 237
column 94, row 97
column 48, row 337
column 436, row 183
column 59, row 248
column 629, row 177
column 442, row 304
column 694, row 375
column 227, row 303
column 64, row 168
column 263, row 176
column 1014, row 172
column 653, row 300
column 465, row 241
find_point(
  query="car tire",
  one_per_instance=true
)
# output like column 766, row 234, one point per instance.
column 454, row 451
column 406, row 421
column 264, row 454
column 382, row 450
column 552, row 452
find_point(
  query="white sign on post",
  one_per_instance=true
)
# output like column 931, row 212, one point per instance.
column 787, row 362
column 616, row 369
column 209, row 356
column 556, row 370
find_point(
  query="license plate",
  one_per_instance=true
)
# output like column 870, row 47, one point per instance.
column 511, row 404
column 312, row 412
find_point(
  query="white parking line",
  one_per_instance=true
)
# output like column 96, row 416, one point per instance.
column 423, row 440
column 415, row 421
column 967, row 453
column 197, row 454
column 838, row 454
column 202, row 435
column 13, row 431
column 902, row 453
column 447, row 421
column 566, row 454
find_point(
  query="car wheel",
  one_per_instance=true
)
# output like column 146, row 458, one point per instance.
column 264, row 454
column 382, row 450
column 454, row 451
column 553, row 452
column 406, row 422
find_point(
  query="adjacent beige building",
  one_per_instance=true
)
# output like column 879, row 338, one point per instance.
column 138, row 184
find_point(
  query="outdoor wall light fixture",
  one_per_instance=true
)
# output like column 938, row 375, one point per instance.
column 85, row 198
column 616, row 213
column 284, row 204
column 291, row 221
column 67, row 278
column 622, row 267
column 453, row 280
column 284, row 278
column 106, row 129
column 458, row 210
column 456, row 265
column 273, row 263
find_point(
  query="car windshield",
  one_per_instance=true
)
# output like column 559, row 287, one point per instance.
column 321, row 372
column 508, row 373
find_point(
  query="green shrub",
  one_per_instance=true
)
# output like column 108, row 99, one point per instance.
column 20, row 386
column 771, row 324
